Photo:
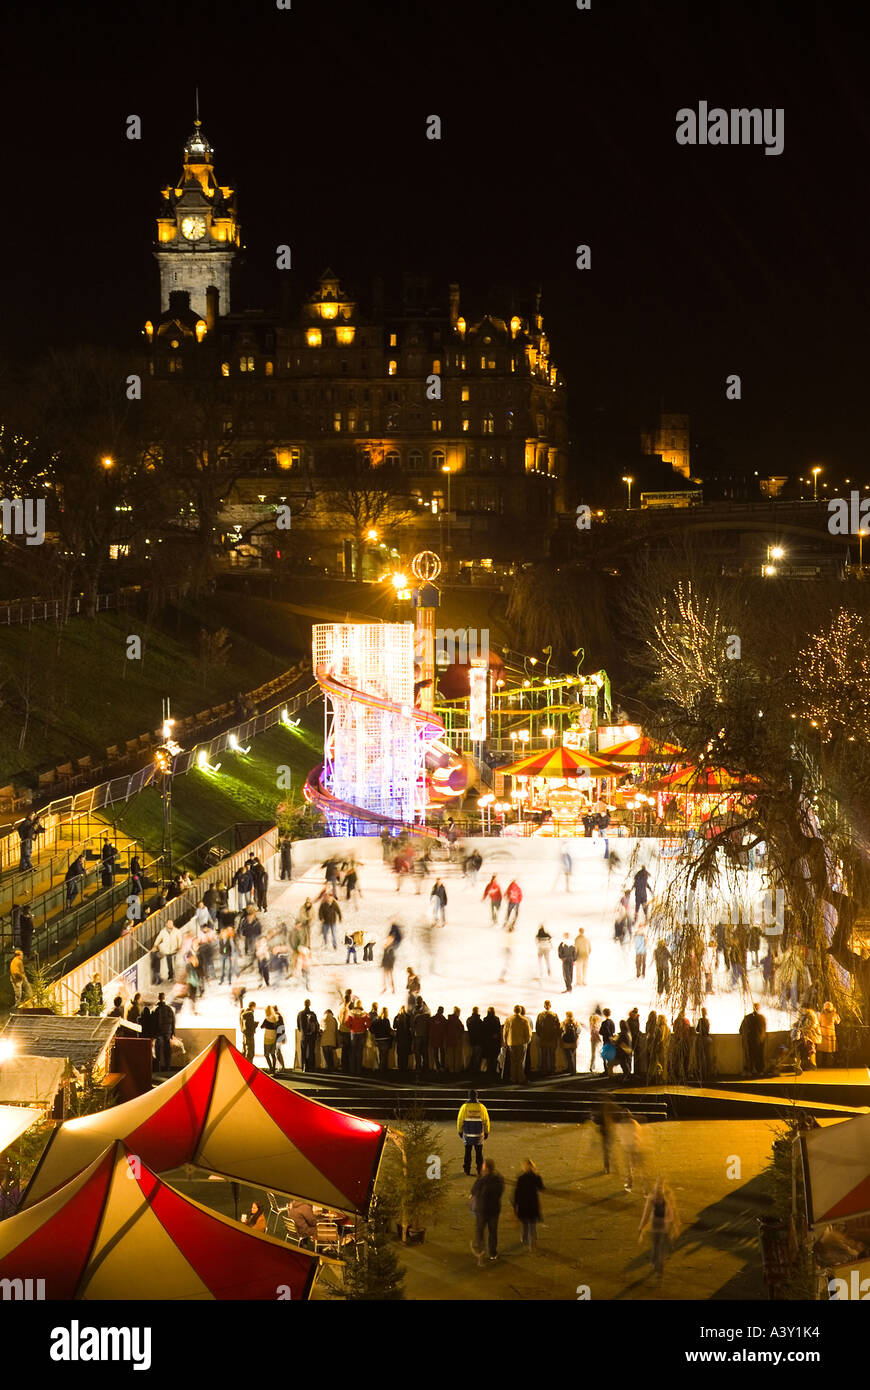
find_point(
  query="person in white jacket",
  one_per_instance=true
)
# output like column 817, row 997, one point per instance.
column 168, row 943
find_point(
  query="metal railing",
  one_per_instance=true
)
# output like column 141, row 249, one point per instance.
column 47, row 610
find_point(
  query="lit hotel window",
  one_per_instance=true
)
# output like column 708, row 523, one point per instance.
column 391, row 368
column 312, row 337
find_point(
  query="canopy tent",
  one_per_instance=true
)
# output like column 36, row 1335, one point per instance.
column 642, row 750
column 223, row 1113
column 837, row 1170
column 701, row 781
column 117, row 1232
column 26, row 1080
column 14, row 1120
column 560, row 762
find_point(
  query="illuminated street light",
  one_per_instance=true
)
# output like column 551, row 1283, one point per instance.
column 815, row 473
column 108, row 463
column 629, row 482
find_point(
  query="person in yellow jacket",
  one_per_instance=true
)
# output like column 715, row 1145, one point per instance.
column 473, row 1125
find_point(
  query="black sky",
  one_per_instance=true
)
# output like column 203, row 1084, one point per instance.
column 558, row 128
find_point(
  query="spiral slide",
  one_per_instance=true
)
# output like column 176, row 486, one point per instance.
column 446, row 772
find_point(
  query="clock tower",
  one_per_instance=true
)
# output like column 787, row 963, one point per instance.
column 197, row 230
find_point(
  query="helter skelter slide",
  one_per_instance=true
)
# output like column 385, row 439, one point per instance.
column 384, row 761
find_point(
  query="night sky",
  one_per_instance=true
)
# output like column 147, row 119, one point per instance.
column 558, row 128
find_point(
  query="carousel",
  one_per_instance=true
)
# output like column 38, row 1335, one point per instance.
column 561, row 791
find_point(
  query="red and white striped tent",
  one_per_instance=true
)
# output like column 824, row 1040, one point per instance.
column 117, row 1232
column 224, row 1114
column 837, row 1170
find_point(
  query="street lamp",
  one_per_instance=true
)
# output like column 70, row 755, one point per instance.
column 445, row 468
column 815, row 473
column 629, row 481
column 163, row 763
column 774, row 552
column 108, row 463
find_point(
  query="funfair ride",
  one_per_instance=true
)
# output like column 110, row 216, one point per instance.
column 384, row 762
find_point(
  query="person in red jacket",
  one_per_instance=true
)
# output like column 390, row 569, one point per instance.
column 493, row 892
column 514, row 898
column 357, row 1024
column 438, row 1038
column 455, row 1040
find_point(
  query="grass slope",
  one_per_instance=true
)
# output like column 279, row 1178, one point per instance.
column 245, row 789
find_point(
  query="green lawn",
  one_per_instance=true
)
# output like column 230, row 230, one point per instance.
column 245, row 789
column 86, row 694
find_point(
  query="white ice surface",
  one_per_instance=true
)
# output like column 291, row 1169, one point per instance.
column 468, row 953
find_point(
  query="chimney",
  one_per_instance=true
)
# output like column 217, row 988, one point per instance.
column 454, row 305
column 212, row 307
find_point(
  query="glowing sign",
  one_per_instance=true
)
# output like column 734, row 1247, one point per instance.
column 477, row 682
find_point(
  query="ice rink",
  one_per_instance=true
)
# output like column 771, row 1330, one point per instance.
column 462, row 962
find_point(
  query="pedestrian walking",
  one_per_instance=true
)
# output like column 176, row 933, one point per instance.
column 248, row 1026
column 486, row 1196
column 703, row 1049
column 582, row 952
column 660, row 1215
column 548, row 1031
column 662, row 959
column 168, row 943
column 388, row 961
column 74, row 880
column 594, row 1036
column 21, row 986
column 358, row 1025
column 827, row 1046
column 382, row 1033
column 329, row 1038
column 264, row 960
column 226, row 940
column 473, row 1126
column 260, row 875
column 607, row 1031
column 527, row 1203
column 631, row 1139
column 606, row 1122
column 517, row 1036
column 455, row 1041
column 28, row 829
column 163, row 1024
column 566, row 866
column 543, row 945
column 403, row 1029
column 270, row 1038
column 476, row 1039
column 309, row 1029
column 569, row 1038
column 286, row 855
column 567, row 955
column 108, row 855
column 753, row 1031
column 491, row 1028
column 350, row 884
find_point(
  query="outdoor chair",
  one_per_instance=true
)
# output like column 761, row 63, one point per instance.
column 327, row 1236
column 275, row 1214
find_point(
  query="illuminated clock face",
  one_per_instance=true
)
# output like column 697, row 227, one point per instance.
column 193, row 228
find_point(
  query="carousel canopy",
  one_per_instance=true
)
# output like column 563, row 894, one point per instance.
column 117, row 1232
column 699, row 781
column 560, row 762
column 643, row 750
column 223, row 1113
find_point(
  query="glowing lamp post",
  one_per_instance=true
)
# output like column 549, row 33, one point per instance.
column 815, row 473
column 628, row 481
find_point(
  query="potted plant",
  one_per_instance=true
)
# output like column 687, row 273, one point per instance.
column 415, row 1175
